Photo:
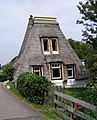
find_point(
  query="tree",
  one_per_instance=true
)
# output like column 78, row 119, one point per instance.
column 83, row 50
column 8, row 70
column 88, row 10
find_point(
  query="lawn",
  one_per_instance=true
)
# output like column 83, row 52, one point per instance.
column 76, row 92
column 84, row 94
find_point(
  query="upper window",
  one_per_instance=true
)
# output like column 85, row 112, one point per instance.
column 54, row 44
column 56, row 71
column 45, row 44
column 50, row 45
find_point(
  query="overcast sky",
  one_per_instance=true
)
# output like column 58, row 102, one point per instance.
column 14, row 16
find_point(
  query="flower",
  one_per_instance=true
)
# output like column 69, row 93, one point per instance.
column 78, row 104
column 79, row 107
column 74, row 117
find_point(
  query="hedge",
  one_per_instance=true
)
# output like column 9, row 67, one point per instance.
column 32, row 87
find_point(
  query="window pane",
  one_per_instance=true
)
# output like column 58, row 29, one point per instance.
column 45, row 42
column 37, row 73
column 70, row 73
column 54, row 45
column 37, row 70
column 56, row 73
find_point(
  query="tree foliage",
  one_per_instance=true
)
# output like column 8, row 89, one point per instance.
column 7, row 72
column 88, row 10
column 82, row 49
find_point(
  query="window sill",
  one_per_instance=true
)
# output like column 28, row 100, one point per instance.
column 46, row 53
column 55, row 52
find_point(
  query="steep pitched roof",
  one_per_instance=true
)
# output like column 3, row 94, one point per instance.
column 31, row 50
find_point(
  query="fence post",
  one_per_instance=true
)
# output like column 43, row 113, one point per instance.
column 72, row 107
column 55, row 103
column 96, row 112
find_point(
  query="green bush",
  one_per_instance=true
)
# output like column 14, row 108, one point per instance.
column 32, row 87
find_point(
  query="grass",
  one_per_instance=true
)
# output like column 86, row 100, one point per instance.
column 76, row 92
column 83, row 94
column 45, row 110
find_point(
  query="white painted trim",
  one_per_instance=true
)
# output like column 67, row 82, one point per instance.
column 55, row 52
column 70, row 82
column 46, row 53
column 57, row 82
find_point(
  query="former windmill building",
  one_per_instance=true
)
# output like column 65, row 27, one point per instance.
column 46, row 52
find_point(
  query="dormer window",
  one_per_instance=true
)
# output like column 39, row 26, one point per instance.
column 50, row 46
column 54, row 45
column 54, row 42
column 45, row 44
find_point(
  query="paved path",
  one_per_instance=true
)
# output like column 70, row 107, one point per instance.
column 12, row 109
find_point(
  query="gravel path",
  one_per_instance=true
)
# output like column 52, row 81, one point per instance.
column 12, row 109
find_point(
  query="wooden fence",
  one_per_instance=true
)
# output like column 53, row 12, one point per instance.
column 71, row 108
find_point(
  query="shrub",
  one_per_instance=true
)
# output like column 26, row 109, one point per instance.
column 7, row 71
column 32, row 87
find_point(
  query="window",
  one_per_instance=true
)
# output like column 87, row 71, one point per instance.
column 45, row 44
column 54, row 44
column 70, row 71
column 37, row 70
column 56, row 71
column 50, row 45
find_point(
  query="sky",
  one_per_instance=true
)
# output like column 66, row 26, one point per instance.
column 14, row 15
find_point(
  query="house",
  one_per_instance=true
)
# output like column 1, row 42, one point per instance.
column 46, row 52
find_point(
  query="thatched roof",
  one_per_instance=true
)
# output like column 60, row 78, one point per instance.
column 31, row 50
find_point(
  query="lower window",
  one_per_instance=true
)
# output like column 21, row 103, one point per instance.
column 56, row 71
column 70, row 71
column 37, row 70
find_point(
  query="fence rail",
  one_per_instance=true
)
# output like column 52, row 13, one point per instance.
column 59, row 103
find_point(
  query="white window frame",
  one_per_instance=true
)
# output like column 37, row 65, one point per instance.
column 54, row 51
column 37, row 70
column 56, row 66
column 50, row 46
column 72, row 71
column 46, row 52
